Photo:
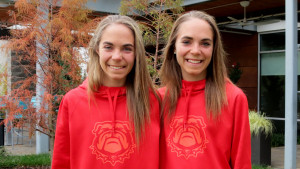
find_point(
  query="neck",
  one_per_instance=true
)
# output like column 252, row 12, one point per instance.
column 113, row 83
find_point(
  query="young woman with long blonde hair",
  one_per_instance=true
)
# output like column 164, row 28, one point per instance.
column 111, row 121
column 205, row 116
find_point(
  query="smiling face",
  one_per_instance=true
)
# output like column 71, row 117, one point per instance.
column 116, row 52
column 194, row 48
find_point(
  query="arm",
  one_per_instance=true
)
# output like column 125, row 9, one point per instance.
column 61, row 152
column 241, row 141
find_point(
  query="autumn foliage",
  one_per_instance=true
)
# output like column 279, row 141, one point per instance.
column 47, row 37
column 44, row 43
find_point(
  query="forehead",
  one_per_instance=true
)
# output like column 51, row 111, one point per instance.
column 195, row 28
column 118, row 31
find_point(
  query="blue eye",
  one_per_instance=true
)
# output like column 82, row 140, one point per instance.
column 128, row 49
column 186, row 42
column 206, row 44
column 107, row 47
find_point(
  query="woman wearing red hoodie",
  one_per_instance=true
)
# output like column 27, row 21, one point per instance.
column 206, row 122
column 111, row 121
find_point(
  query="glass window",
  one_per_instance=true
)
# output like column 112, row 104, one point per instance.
column 272, row 64
column 272, row 41
column 272, row 81
column 272, row 84
column 272, row 95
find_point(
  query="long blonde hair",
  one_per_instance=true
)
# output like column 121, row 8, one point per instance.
column 138, row 81
column 215, row 94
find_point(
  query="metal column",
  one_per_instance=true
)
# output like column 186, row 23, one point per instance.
column 42, row 140
column 291, row 64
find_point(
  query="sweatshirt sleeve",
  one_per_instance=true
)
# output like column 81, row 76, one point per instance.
column 241, row 141
column 61, row 152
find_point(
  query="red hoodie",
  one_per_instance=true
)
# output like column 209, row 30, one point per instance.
column 191, row 141
column 101, row 136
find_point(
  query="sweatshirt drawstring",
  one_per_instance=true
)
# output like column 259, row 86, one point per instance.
column 187, row 92
column 113, row 105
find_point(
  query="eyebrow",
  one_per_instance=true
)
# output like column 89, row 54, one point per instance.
column 126, row 45
column 190, row 38
column 107, row 43
column 187, row 37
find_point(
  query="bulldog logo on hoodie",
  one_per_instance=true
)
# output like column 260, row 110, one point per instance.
column 187, row 137
column 113, row 142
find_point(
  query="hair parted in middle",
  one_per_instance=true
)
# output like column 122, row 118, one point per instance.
column 138, row 82
column 216, row 77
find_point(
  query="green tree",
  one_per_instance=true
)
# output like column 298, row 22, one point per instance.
column 155, row 18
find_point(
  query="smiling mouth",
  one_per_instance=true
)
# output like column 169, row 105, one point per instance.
column 194, row 61
column 117, row 67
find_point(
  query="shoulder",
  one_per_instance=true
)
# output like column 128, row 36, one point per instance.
column 70, row 100
column 237, row 102
column 77, row 91
column 75, row 95
column 233, row 92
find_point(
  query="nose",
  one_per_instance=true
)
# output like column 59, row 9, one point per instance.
column 196, row 49
column 117, row 55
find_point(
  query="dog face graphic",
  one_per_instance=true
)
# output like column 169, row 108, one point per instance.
column 187, row 138
column 113, row 142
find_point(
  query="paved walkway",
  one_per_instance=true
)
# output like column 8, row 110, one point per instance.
column 277, row 157
column 23, row 145
column 20, row 149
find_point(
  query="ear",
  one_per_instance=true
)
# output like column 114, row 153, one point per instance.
column 97, row 51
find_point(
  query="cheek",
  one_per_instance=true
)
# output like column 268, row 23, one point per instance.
column 130, row 58
column 103, row 57
column 208, row 52
column 181, row 50
column 180, row 54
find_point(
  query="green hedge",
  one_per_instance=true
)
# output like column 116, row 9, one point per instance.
column 8, row 161
column 278, row 140
column 260, row 167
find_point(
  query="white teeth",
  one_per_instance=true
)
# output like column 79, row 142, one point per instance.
column 115, row 67
column 194, row 61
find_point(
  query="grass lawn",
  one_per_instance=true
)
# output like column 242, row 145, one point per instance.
column 38, row 161
column 44, row 160
column 8, row 161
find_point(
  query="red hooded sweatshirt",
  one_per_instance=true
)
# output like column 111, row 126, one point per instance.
column 192, row 141
column 101, row 136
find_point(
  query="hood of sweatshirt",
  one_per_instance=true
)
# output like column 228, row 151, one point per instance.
column 112, row 94
column 188, row 89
